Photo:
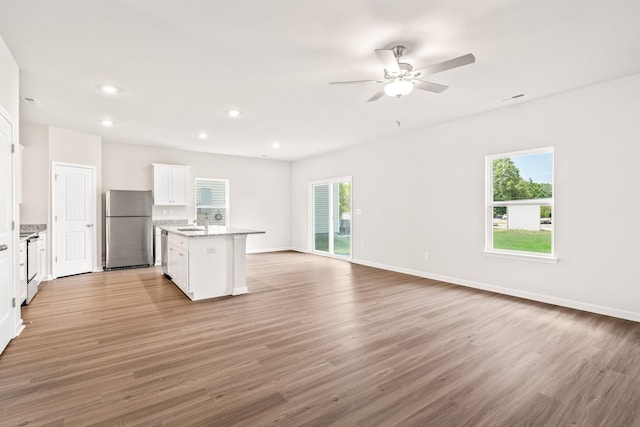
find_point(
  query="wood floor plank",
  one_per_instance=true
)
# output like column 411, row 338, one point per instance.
column 317, row 341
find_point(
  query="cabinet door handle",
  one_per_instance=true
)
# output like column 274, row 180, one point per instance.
column 22, row 265
column 3, row 248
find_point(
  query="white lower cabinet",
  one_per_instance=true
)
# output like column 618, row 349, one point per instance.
column 178, row 262
column 208, row 266
column 43, row 271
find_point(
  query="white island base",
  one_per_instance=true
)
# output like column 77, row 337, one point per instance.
column 208, row 264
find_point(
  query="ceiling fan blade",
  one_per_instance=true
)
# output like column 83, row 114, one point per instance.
column 429, row 86
column 356, row 81
column 377, row 95
column 388, row 59
column 446, row 65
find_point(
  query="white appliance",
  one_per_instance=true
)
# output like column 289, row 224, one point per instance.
column 33, row 263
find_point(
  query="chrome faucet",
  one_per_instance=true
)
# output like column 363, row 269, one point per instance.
column 204, row 219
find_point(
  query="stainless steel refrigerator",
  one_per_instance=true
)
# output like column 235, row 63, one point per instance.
column 129, row 230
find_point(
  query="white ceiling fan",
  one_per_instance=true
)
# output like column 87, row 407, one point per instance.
column 400, row 78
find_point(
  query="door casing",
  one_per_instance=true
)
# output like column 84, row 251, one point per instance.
column 10, row 321
column 54, row 229
column 310, row 227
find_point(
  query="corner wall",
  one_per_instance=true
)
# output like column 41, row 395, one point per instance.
column 68, row 146
column 35, row 184
column 42, row 146
column 259, row 189
column 424, row 191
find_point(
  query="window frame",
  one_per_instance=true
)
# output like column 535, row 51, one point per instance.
column 226, row 199
column 490, row 204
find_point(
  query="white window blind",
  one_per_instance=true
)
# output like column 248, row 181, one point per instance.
column 212, row 200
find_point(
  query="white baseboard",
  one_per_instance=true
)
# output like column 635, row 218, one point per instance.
column 548, row 299
column 19, row 329
column 264, row 250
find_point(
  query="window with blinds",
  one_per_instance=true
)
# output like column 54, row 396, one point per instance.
column 212, row 201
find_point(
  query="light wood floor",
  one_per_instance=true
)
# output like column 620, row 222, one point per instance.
column 317, row 342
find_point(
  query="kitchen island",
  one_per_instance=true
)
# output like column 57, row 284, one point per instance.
column 207, row 263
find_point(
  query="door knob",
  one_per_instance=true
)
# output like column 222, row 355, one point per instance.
column 89, row 225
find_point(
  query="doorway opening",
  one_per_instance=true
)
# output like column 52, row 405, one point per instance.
column 331, row 217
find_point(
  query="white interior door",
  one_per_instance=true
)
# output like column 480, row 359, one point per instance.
column 6, row 233
column 74, row 219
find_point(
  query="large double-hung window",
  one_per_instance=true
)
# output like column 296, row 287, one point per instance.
column 519, row 208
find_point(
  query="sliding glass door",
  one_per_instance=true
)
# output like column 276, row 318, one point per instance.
column 331, row 217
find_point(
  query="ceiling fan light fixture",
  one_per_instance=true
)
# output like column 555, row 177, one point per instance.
column 398, row 88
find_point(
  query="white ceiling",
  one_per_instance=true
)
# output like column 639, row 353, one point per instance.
column 182, row 65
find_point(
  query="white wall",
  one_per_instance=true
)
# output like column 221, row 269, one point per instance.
column 435, row 181
column 9, row 84
column 35, row 179
column 42, row 146
column 259, row 189
column 68, row 146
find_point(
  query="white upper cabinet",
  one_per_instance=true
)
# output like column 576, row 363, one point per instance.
column 170, row 184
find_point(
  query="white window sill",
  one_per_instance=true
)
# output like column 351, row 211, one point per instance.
column 548, row 259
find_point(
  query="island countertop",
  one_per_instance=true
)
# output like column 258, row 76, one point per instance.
column 214, row 230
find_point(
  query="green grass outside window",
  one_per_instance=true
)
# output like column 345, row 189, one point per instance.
column 522, row 240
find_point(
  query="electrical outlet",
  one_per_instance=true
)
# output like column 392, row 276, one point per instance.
column 426, row 255
column 358, row 211
column 211, row 250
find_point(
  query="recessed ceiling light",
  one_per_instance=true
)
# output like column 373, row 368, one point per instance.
column 234, row 113
column 276, row 145
column 202, row 135
column 107, row 123
column 109, row 89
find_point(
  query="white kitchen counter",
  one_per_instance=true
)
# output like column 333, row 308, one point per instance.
column 214, row 230
column 208, row 264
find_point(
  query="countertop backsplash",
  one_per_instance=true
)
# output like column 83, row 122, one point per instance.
column 170, row 222
column 32, row 228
